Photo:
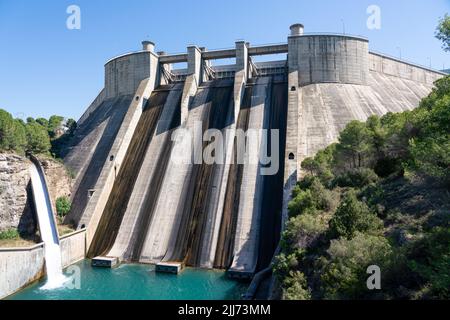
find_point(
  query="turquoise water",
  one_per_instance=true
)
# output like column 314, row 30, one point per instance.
column 139, row 282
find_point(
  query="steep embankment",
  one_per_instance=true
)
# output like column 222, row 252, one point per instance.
column 126, row 177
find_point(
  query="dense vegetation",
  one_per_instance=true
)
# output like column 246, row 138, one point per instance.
column 380, row 196
column 38, row 136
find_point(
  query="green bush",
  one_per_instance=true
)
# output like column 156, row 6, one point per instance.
column 37, row 137
column 356, row 178
column 12, row 133
column 344, row 275
column 284, row 263
column 63, row 206
column 295, row 287
column 310, row 196
column 352, row 216
column 9, row 234
column 302, row 230
column 302, row 201
column 430, row 259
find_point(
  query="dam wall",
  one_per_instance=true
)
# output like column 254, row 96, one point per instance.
column 98, row 197
column 124, row 73
column 328, row 58
column 20, row 267
column 220, row 216
column 147, row 187
column 391, row 66
column 127, row 175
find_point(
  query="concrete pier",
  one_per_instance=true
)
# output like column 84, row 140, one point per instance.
column 169, row 267
column 105, row 262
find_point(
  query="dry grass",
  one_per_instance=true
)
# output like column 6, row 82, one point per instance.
column 16, row 243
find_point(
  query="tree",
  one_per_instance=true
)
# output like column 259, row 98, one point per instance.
column 63, row 206
column 20, row 136
column 295, row 287
column 38, row 139
column 12, row 133
column 71, row 125
column 353, row 216
column 354, row 143
column 54, row 123
column 344, row 275
column 443, row 32
column 42, row 121
column 6, row 130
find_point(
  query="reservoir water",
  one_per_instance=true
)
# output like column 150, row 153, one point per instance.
column 137, row 282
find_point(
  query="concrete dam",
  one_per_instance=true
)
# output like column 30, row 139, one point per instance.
column 139, row 204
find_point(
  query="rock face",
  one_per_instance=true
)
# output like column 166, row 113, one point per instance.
column 58, row 179
column 16, row 204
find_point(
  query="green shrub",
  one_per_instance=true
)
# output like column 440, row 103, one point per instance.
column 302, row 201
column 302, row 230
column 352, row 216
column 37, row 137
column 295, row 287
column 63, row 206
column 324, row 199
column 12, row 133
column 284, row 263
column 310, row 196
column 356, row 178
column 344, row 275
column 430, row 259
column 9, row 234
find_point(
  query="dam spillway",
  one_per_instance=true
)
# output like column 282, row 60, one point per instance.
column 139, row 203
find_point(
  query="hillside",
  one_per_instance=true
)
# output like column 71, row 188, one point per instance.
column 380, row 196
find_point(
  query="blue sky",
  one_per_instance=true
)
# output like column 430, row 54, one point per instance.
column 47, row 69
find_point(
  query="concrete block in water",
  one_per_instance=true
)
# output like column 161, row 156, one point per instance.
column 169, row 267
column 105, row 262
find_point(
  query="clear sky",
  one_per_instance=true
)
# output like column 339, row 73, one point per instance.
column 48, row 69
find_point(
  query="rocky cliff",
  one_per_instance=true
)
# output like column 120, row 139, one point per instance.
column 16, row 207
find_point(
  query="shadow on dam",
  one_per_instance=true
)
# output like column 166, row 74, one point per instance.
column 272, row 197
